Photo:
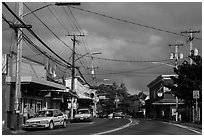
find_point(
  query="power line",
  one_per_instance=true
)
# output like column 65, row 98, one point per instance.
column 131, row 61
column 34, row 34
column 131, row 22
column 48, row 28
column 130, row 71
column 61, row 23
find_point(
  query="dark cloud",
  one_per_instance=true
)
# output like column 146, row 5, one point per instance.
column 116, row 39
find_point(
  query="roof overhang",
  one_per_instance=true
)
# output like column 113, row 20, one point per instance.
column 160, row 103
column 33, row 80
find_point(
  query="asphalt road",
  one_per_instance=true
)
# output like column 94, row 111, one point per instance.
column 153, row 127
column 117, row 127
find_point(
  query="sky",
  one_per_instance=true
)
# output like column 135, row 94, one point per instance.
column 130, row 36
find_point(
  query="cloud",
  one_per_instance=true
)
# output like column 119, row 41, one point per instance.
column 117, row 39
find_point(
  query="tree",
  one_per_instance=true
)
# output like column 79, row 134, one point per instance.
column 142, row 95
column 189, row 78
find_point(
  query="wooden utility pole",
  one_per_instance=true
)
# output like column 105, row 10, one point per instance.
column 17, row 95
column 73, row 70
column 176, row 56
column 190, row 40
column 93, row 71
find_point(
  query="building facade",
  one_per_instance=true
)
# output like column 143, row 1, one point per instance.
column 162, row 103
column 37, row 92
column 86, row 97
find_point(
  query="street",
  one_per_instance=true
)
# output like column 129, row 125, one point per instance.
column 117, row 127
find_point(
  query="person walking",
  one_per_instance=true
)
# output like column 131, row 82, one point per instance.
column 25, row 114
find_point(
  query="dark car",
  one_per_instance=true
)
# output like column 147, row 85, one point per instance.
column 103, row 115
column 118, row 115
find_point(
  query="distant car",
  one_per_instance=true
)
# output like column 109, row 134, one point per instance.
column 118, row 115
column 83, row 114
column 103, row 115
column 48, row 118
column 110, row 115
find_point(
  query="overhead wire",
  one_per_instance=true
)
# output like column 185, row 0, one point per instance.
column 78, row 27
column 58, row 20
column 131, row 22
column 34, row 34
column 41, row 51
column 49, row 28
column 55, row 36
column 83, row 39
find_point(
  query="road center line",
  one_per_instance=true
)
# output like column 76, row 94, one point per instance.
column 116, row 129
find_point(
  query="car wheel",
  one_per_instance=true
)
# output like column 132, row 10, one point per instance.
column 51, row 125
column 64, row 123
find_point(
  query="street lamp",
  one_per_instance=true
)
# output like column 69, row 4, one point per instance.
column 164, row 64
column 92, row 53
column 55, row 4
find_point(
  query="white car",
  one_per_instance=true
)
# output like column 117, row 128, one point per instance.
column 48, row 118
column 83, row 115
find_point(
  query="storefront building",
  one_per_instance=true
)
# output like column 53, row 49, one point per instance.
column 162, row 103
column 37, row 92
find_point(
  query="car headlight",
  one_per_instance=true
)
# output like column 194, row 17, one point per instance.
column 44, row 122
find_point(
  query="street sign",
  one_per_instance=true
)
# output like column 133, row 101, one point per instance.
column 196, row 94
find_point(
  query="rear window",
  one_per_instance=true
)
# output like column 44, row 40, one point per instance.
column 44, row 114
column 84, row 111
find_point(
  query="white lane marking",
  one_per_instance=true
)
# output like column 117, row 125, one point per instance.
column 191, row 129
column 116, row 129
column 84, row 123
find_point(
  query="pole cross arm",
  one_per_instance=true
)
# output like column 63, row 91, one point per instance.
column 67, row 3
column 20, row 26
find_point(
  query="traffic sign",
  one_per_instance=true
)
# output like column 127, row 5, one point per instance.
column 196, row 94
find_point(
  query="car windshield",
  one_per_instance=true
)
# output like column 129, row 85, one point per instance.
column 44, row 113
column 82, row 111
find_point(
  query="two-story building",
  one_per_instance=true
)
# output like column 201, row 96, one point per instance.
column 162, row 103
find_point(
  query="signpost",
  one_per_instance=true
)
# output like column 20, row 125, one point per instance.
column 196, row 96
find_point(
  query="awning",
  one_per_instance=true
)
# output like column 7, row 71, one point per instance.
column 167, row 102
column 81, row 96
column 40, row 82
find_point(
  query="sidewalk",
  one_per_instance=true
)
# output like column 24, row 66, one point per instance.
column 6, row 131
column 187, row 124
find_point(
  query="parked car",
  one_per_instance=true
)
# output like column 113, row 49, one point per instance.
column 83, row 114
column 118, row 115
column 47, row 118
column 103, row 115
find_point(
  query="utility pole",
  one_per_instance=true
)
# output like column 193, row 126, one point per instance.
column 176, row 56
column 190, row 40
column 73, row 70
column 93, row 71
column 17, row 94
column 116, row 100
